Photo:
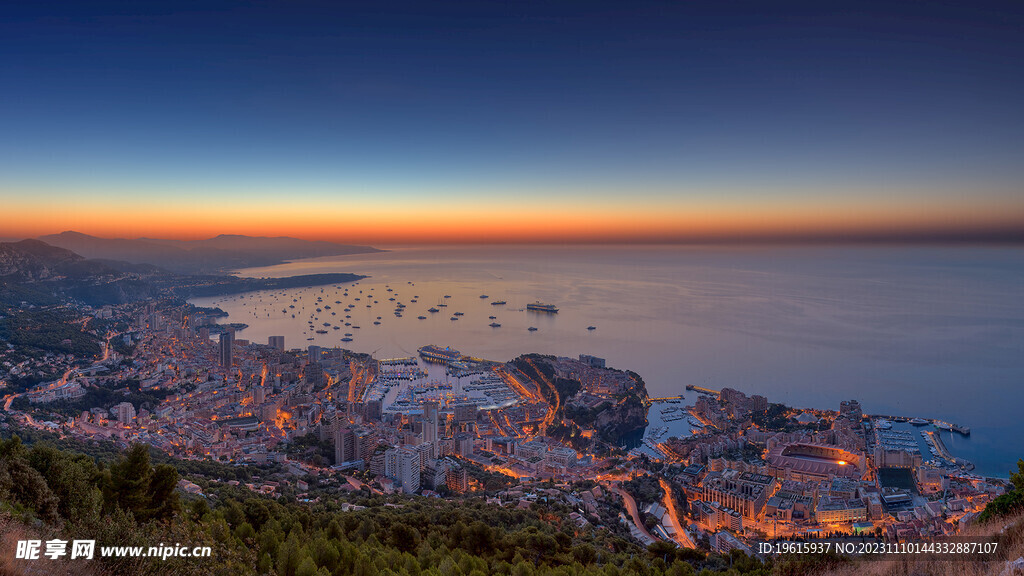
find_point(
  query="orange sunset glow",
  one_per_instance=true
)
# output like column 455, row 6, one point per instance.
column 680, row 219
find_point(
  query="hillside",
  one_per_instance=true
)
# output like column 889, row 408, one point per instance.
column 213, row 255
column 35, row 273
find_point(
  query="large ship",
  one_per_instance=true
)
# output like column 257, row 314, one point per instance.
column 538, row 307
column 433, row 353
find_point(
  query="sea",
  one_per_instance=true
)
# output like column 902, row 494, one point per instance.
column 916, row 331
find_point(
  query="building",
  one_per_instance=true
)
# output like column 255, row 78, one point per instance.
column 125, row 413
column 458, row 480
column 227, row 340
column 430, row 421
column 464, row 444
column 345, row 446
column 403, row 466
column 809, row 461
column 592, row 361
column 562, row 456
column 465, row 413
column 745, row 492
column 372, row 411
column 851, row 410
column 276, row 342
column 839, row 510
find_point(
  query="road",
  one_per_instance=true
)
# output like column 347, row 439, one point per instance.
column 64, row 378
column 680, row 536
column 631, row 508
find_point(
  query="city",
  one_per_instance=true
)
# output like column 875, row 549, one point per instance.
column 531, row 430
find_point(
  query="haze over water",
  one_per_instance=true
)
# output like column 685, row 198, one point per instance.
column 935, row 332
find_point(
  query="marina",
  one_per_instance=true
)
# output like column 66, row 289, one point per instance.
column 638, row 321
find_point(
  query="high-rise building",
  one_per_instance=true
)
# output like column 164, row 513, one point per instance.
column 226, row 343
column 125, row 412
column 430, row 421
column 465, row 413
column 464, row 445
column 372, row 411
column 276, row 342
column 457, row 479
column 344, row 445
column 403, row 466
column 315, row 354
column 851, row 410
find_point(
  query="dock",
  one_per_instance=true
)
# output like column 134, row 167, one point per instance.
column 666, row 399
column 702, row 390
column 965, row 430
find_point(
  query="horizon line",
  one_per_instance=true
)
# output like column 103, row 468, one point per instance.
column 1007, row 236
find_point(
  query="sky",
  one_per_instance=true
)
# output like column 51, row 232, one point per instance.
column 638, row 121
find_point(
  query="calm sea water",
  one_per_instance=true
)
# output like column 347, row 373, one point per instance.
column 930, row 332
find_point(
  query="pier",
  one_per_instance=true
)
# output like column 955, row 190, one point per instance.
column 702, row 390
column 666, row 399
column 966, row 431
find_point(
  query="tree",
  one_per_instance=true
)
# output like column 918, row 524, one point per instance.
column 128, row 486
column 306, row 568
column 163, row 496
column 403, row 537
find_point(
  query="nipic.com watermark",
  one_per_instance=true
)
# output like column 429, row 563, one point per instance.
column 86, row 549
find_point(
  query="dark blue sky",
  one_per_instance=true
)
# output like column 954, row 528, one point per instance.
column 674, row 103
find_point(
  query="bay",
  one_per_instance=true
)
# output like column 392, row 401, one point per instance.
column 929, row 331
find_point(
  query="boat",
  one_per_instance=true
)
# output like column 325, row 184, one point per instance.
column 377, row 322
column 346, row 339
column 459, row 314
column 455, row 317
column 883, row 424
column 539, row 307
column 447, row 296
column 918, row 421
column 422, row 317
column 591, row 327
column 438, row 354
column 482, row 296
column 321, row 331
column 498, row 303
column 308, row 338
column 532, row 329
column 432, row 310
column 494, row 325
column 492, row 317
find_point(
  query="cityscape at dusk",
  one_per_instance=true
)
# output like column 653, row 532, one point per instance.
column 398, row 288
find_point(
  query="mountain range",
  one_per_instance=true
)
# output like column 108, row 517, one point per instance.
column 213, row 255
column 33, row 272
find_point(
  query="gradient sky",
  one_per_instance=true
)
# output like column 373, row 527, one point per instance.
column 436, row 121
